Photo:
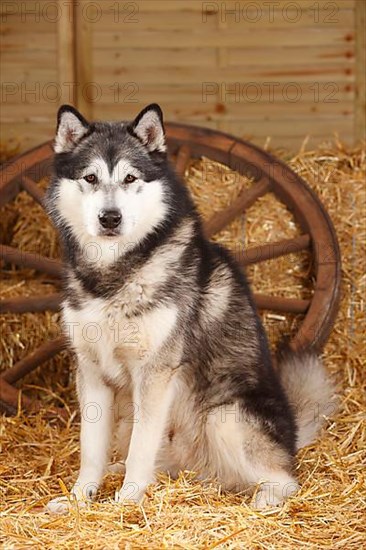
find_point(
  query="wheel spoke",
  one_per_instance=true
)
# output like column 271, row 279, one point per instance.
column 33, row 189
column 12, row 173
column 286, row 305
column 31, row 260
column 33, row 304
column 273, row 250
column 33, row 360
column 183, row 157
column 11, row 398
column 244, row 200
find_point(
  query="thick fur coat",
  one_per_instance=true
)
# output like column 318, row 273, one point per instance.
column 173, row 364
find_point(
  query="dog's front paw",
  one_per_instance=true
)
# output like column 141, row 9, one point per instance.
column 273, row 494
column 264, row 499
column 61, row 505
column 80, row 495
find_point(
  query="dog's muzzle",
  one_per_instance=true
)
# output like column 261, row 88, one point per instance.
column 110, row 219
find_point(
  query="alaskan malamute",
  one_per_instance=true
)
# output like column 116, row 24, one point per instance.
column 173, row 364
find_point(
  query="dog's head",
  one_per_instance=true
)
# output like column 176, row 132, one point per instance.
column 110, row 177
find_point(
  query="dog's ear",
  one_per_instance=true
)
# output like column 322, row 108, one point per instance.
column 149, row 129
column 71, row 127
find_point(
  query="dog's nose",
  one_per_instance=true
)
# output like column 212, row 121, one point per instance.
column 109, row 219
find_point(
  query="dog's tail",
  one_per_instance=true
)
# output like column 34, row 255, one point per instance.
column 310, row 392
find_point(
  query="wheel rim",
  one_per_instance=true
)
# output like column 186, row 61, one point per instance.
column 269, row 175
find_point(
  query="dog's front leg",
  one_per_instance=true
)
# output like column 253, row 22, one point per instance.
column 153, row 393
column 96, row 410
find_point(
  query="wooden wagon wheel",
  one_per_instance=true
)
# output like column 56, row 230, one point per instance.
column 186, row 142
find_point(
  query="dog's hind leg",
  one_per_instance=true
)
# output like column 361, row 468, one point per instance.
column 242, row 456
column 121, row 445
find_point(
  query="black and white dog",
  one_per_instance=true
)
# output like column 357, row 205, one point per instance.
column 170, row 350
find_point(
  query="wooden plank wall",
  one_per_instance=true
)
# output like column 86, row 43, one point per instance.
column 29, row 71
column 256, row 69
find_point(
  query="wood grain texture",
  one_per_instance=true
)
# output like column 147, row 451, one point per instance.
column 31, row 304
column 283, row 70
column 31, row 260
column 360, row 96
column 83, row 58
column 65, row 55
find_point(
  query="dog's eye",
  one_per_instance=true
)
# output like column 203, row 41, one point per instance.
column 129, row 178
column 91, row 178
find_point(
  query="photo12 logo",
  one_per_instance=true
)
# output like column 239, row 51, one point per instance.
column 53, row 11
column 52, row 92
column 270, row 11
column 270, row 92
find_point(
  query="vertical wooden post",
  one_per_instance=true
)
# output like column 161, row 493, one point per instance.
column 65, row 54
column 222, row 63
column 83, row 17
column 360, row 96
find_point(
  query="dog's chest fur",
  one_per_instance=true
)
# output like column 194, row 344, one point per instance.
column 122, row 331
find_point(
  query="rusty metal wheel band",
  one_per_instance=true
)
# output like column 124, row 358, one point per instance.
column 269, row 175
